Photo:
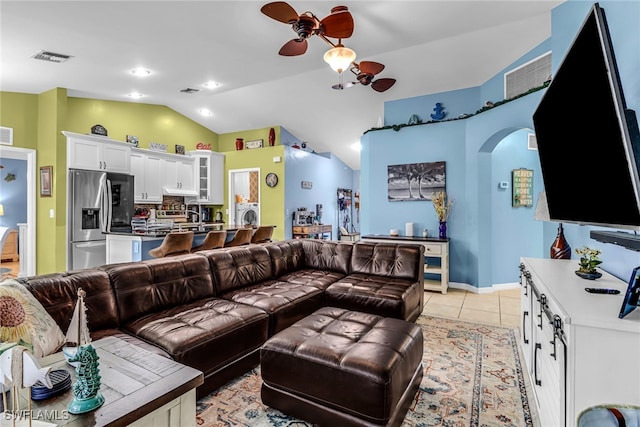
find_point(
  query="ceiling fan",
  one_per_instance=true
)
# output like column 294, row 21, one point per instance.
column 365, row 71
column 337, row 25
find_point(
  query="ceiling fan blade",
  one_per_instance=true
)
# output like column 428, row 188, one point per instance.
column 341, row 86
column 339, row 24
column 381, row 85
column 370, row 67
column 294, row 47
column 280, row 11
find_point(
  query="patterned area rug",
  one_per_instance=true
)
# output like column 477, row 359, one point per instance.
column 473, row 376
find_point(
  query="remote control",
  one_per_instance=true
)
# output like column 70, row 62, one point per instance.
column 602, row 291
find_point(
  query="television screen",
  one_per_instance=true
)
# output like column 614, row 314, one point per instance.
column 586, row 136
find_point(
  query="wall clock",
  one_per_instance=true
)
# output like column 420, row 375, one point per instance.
column 271, row 179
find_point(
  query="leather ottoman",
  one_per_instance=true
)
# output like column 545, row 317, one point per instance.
column 340, row 367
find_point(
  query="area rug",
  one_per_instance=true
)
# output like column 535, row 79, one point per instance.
column 473, row 376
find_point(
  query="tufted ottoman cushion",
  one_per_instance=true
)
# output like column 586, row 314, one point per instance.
column 341, row 367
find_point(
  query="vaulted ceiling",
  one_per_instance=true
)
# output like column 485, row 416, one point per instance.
column 427, row 46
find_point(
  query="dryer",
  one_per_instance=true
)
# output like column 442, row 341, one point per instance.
column 247, row 213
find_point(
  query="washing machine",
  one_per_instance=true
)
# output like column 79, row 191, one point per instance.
column 247, row 213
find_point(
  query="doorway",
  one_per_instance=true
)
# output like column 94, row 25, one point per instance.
column 28, row 259
column 244, row 193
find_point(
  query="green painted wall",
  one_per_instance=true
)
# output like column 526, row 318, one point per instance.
column 271, row 199
column 150, row 123
column 227, row 141
column 38, row 121
column 20, row 111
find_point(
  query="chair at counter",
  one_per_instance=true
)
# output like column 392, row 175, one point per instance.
column 263, row 234
column 242, row 237
column 175, row 243
column 213, row 240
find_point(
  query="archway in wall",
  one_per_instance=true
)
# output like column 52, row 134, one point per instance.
column 509, row 232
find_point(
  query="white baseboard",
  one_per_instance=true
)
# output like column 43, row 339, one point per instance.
column 486, row 290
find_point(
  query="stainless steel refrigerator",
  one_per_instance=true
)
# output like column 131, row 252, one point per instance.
column 99, row 202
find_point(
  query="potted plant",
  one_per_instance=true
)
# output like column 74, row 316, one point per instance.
column 588, row 262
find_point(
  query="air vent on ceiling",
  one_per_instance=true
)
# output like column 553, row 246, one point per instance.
column 189, row 90
column 51, row 56
column 532, row 142
column 6, row 135
column 528, row 76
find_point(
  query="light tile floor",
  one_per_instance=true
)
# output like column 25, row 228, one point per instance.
column 497, row 308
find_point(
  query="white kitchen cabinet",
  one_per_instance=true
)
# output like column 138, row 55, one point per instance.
column 146, row 167
column 577, row 352
column 179, row 176
column 98, row 153
column 209, row 176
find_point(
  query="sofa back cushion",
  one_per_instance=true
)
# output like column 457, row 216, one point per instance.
column 151, row 286
column 402, row 261
column 238, row 267
column 58, row 293
column 327, row 255
column 286, row 256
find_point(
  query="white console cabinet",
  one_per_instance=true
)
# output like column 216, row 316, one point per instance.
column 577, row 352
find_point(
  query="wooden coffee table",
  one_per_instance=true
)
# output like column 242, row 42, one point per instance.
column 140, row 388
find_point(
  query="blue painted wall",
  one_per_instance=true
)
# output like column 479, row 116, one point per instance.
column 12, row 194
column 487, row 235
column 326, row 172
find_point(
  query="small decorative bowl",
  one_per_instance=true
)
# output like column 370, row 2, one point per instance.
column 589, row 276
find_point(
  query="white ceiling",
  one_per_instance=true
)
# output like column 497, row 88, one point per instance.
column 428, row 46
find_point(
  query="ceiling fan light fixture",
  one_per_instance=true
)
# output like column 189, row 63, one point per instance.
column 339, row 58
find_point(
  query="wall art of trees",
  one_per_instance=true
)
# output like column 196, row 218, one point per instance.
column 415, row 181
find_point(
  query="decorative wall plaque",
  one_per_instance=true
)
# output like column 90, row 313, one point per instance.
column 522, row 188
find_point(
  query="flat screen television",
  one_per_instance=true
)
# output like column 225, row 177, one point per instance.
column 588, row 141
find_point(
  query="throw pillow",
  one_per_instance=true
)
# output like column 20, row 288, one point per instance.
column 22, row 317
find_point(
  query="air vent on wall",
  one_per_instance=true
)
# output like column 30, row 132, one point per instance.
column 528, row 76
column 189, row 90
column 6, row 135
column 51, row 56
column 532, row 142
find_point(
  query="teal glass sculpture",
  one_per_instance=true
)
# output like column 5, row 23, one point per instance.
column 86, row 389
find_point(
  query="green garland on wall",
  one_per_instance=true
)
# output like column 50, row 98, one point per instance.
column 462, row 116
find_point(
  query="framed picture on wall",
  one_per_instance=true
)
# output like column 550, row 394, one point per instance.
column 46, row 181
column 415, row 181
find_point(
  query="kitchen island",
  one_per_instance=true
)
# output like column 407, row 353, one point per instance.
column 135, row 246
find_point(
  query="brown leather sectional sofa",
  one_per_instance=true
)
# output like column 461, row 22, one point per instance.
column 213, row 310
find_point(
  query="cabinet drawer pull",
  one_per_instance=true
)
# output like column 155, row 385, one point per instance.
column 535, row 364
column 524, row 330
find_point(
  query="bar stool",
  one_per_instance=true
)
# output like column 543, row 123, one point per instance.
column 263, row 234
column 175, row 243
column 242, row 237
column 213, row 240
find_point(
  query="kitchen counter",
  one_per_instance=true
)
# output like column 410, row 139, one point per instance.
column 127, row 246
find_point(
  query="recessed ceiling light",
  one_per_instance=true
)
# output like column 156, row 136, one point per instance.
column 356, row 146
column 211, row 84
column 135, row 95
column 205, row 112
column 140, row 72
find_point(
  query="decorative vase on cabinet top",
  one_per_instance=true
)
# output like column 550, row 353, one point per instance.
column 272, row 137
column 239, row 143
column 560, row 248
column 442, row 230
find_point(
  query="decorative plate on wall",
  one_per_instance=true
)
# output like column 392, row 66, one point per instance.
column 271, row 179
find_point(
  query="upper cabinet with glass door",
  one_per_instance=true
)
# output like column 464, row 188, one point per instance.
column 209, row 176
